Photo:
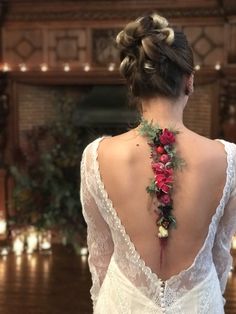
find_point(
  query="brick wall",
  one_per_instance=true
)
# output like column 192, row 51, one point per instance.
column 198, row 111
column 37, row 106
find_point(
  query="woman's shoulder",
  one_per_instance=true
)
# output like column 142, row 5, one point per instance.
column 127, row 144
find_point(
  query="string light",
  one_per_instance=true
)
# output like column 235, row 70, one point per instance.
column 86, row 67
column 66, row 67
column 6, row 67
column 197, row 67
column 217, row 66
column 44, row 67
column 23, row 67
column 111, row 67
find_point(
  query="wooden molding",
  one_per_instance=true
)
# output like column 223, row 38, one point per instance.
column 98, row 76
column 25, row 10
column 103, row 76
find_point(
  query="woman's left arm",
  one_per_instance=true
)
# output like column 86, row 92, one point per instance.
column 99, row 239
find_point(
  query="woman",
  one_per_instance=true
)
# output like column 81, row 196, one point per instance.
column 159, row 200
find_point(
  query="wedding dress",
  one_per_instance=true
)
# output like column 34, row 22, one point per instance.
column 121, row 281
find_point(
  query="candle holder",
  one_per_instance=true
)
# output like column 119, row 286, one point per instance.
column 4, row 251
column 4, row 248
column 31, row 240
column 45, row 242
column 18, row 243
column 3, row 224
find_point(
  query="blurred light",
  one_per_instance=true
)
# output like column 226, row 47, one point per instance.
column 84, row 251
column 111, row 67
column 84, row 259
column 3, row 225
column 45, row 242
column 233, row 242
column 66, row 67
column 44, row 67
column 217, row 66
column 4, row 251
column 18, row 246
column 197, row 67
column 23, row 67
column 232, row 109
column 86, row 67
column 31, row 240
column 6, row 67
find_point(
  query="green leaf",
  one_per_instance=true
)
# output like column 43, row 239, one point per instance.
column 148, row 129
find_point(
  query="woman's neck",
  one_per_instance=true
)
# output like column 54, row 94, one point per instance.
column 164, row 112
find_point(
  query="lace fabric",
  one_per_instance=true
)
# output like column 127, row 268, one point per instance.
column 107, row 237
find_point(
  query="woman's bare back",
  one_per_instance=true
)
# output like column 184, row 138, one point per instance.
column 125, row 168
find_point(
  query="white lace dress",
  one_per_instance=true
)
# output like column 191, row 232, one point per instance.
column 122, row 282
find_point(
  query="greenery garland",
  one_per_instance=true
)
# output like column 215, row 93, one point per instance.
column 164, row 162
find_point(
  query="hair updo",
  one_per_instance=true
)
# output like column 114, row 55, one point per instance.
column 154, row 57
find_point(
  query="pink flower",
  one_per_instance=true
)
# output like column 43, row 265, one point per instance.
column 164, row 181
column 164, row 158
column 158, row 167
column 165, row 199
column 167, row 137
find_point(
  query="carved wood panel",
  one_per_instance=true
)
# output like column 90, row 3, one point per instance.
column 207, row 43
column 97, row 45
column 36, row 46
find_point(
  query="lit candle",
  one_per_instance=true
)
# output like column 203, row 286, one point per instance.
column 45, row 245
column 4, row 251
column 18, row 246
column 32, row 241
column 45, row 241
column 3, row 225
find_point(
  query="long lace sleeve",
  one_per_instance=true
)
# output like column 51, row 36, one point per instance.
column 226, row 229
column 221, row 256
column 99, row 239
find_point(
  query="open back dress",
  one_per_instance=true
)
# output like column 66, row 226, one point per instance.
column 122, row 283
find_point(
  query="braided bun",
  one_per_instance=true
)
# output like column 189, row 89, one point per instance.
column 154, row 57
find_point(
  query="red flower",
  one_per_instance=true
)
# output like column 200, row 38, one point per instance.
column 160, row 149
column 158, row 167
column 164, row 181
column 165, row 199
column 167, row 137
column 164, row 158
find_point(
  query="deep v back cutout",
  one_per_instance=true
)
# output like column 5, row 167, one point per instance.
column 218, row 211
